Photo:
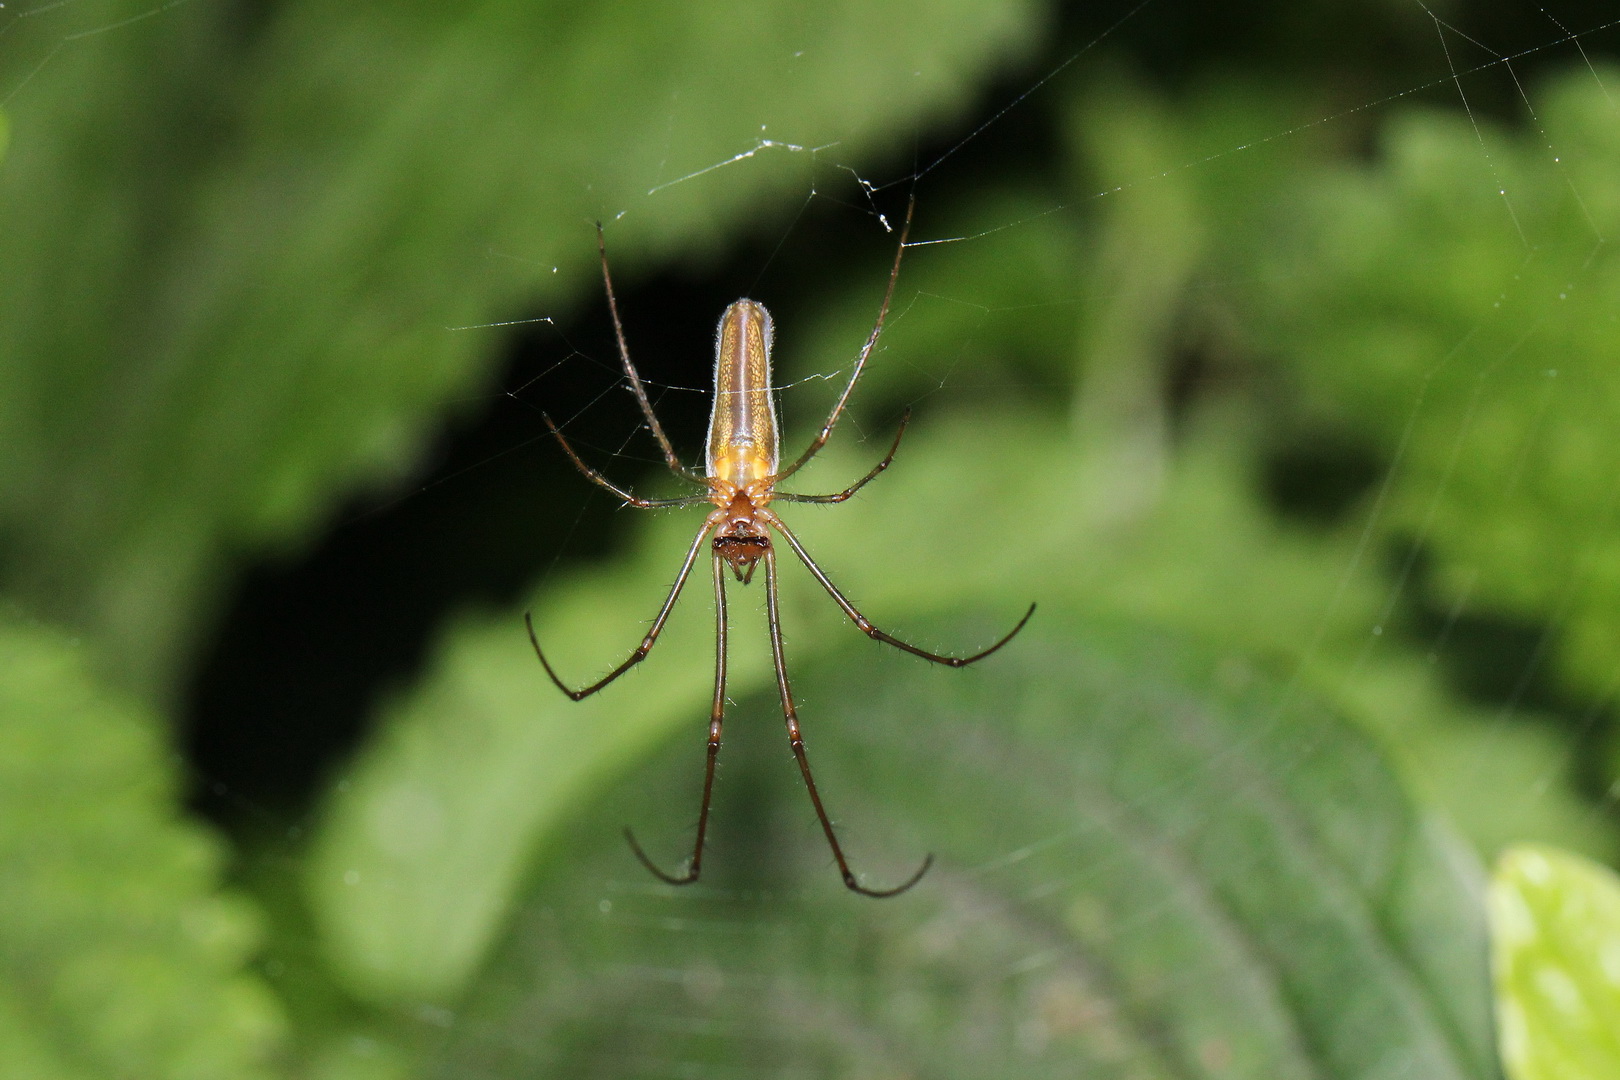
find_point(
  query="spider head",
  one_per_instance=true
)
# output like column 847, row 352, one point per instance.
column 741, row 539
column 742, row 553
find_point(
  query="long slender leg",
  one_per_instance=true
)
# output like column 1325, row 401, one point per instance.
column 860, row 362
column 630, row 371
column 652, row 634
column 841, row 496
column 716, row 718
column 796, row 740
column 861, row 621
column 601, row 481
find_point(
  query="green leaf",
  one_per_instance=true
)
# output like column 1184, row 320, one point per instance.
column 1555, row 946
column 1151, row 863
column 118, row 954
column 237, row 257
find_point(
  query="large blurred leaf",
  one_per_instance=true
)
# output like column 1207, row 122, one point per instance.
column 118, row 957
column 1555, row 943
column 235, row 247
column 1151, row 863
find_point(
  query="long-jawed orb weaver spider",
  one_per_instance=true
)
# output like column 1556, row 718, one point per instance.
column 742, row 474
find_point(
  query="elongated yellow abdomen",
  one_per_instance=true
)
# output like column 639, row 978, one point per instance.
column 743, row 444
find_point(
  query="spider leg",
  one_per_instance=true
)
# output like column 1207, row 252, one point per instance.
column 865, row 625
column 601, row 481
column 636, row 387
column 860, row 361
column 796, row 740
column 716, row 718
column 647, row 642
column 862, row 482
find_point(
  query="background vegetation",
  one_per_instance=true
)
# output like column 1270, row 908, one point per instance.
column 1284, row 382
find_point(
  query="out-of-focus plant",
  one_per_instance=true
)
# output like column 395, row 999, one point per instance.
column 118, row 957
column 1453, row 306
column 232, row 258
column 1555, row 931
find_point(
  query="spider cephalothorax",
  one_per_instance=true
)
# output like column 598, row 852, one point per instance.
column 740, row 538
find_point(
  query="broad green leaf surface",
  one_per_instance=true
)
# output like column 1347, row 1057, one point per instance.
column 1410, row 291
column 1151, row 863
column 118, row 955
column 1555, row 946
column 235, row 256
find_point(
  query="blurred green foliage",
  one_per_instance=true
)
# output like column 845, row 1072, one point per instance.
column 118, row 956
column 1455, row 305
column 1555, row 921
column 235, row 241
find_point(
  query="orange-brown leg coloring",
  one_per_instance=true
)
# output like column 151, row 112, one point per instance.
column 603, row 482
column 796, row 740
column 646, row 643
column 841, row 496
column 866, row 626
column 860, row 361
column 630, row 372
column 717, row 715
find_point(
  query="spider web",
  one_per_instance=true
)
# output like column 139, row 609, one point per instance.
column 1186, row 352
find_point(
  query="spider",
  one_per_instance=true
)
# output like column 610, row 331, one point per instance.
column 743, row 471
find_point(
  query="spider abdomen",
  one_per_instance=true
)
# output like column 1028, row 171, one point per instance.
column 743, row 441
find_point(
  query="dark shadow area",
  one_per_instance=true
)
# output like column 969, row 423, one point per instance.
column 1497, row 660
column 1319, row 478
